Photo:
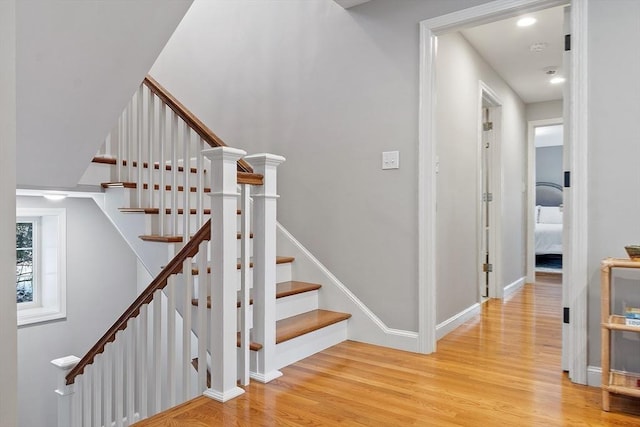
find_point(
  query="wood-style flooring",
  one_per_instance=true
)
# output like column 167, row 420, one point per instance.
column 500, row 369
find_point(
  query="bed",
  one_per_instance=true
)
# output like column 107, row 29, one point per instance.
column 548, row 215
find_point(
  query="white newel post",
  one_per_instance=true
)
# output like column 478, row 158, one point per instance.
column 264, row 264
column 224, row 279
column 64, row 391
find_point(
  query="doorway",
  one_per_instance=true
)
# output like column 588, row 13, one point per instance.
column 575, row 264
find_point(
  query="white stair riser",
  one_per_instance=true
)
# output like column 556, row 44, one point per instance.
column 306, row 345
column 285, row 307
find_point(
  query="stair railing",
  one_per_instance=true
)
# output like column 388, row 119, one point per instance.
column 156, row 129
column 143, row 363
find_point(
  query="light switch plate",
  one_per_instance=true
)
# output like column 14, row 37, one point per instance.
column 390, row 160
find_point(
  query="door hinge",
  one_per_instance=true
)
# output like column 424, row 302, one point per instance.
column 487, row 197
column 487, row 126
column 565, row 315
column 567, row 179
column 487, row 268
column 567, row 42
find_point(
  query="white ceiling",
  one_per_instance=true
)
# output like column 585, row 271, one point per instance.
column 507, row 48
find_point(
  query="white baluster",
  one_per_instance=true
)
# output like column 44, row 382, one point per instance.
column 97, row 390
column 186, row 329
column 162, row 168
column 140, row 146
column 130, row 363
column 130, row 143
column 186, row 182
column 65, row 392
column 156, row 353
column 118, row 348
column 264, row 263
column 174, row 173
column 151, row 140
column 170, row 290
column 200, row 185
column 203, row 313
column 107, row 415
column 86, row 396
column 141, row 370
column 245, row 283
column 224, row 286
column 120, row 148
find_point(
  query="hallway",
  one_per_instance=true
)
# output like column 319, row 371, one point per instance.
column 500, row 369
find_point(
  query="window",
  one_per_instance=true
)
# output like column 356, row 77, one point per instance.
column 26, row 230
column 40, row 265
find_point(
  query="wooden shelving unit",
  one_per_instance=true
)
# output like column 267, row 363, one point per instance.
column 618, row 382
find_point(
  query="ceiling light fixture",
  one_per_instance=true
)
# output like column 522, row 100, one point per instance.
column 526, row 21
column 55, row 196
column 557, row 80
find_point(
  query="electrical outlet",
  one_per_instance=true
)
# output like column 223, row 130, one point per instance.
column 390, row 160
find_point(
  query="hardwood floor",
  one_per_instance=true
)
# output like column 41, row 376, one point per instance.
column 500, row 369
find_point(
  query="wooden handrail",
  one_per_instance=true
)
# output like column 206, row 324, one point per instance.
column 173, row 267
column 194, row 123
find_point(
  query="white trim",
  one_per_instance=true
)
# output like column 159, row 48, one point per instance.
column 350, row 3
column 594, row 376
column 513, row 287
column 531, row 192
column 577, row 281
column 456, row 320
column 495, row 207
column 364, row 325
column 429, row 29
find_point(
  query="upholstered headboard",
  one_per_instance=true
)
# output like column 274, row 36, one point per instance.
column 548, row 194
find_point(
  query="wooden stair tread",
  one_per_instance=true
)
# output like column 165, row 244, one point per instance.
column 113, row 161
column 177, row 239
column 283, row 289
column 123, row 184
column 242, row 176
column 295, row 326
column 156, row 211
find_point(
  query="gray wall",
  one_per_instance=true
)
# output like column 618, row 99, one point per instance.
column 459, row 69
column 329, row 89
column 549, row 164
column 544, row 110
column 614, row 150
column 101, row 283
column 8, row 374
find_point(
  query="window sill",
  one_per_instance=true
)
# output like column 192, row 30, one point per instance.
column 30, row 316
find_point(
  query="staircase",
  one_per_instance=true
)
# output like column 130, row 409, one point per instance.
column 200, row 216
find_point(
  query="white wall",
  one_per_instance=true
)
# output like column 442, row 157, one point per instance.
column 459, row 69
column 614, row 151
column 329, row 89
column 8, row 355
column 549, row 164
column 79, row 63
column 544, row 110
column 101, row 283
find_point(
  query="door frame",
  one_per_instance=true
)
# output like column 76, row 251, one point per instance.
column 575, row 277
column 531, row 191
column 486, row 93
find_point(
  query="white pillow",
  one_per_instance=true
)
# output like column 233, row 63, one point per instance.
column 549, row 215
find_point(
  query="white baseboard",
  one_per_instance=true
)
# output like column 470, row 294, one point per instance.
column 453, row 322
column 594, row 376
column 364, row 325
column 513, row 287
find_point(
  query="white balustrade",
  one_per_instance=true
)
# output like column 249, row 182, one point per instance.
column 143, row 371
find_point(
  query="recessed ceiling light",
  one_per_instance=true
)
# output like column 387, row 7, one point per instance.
column 526, row 21
column 55, row 196
column 557, row 80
